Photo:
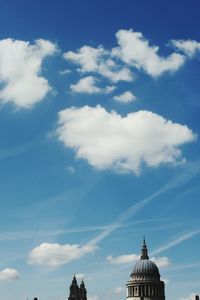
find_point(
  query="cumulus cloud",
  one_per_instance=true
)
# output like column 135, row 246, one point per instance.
column 9, row 274
column 20, row 68
column 98, row 60
column 109, row 141
column 188, row 47
column 133, row 51
column 136, row 51
column 122, row 259
column 55, row 255
column 88, row 85
column 126, row 97
column 161, row 262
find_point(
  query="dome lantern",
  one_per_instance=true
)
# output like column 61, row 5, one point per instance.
column 144, row 250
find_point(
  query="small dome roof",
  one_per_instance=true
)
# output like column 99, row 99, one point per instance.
column 145, row 267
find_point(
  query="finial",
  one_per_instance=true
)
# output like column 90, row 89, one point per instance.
column 144, row 242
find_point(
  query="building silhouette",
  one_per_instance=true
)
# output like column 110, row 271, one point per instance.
column 77, row 292
column 144, row 282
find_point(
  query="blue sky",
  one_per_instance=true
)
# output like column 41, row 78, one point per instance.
column 99, row 145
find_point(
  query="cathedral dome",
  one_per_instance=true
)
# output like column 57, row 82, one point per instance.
column 145, row 268
column 144, row 282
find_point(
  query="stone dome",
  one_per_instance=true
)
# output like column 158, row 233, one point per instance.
column 145, row 268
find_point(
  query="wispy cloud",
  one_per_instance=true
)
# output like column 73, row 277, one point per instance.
column 55, row 255
column 65, row 71
column 17, row 150
column 187, row 172
column 185, row 266
column 190, row 297
column 30, row 234
column 177, row 241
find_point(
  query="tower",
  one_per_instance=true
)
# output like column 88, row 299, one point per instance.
column 144, row 282
column 82, row 291
column 76, row 292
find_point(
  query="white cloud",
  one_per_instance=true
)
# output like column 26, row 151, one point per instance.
column 64, row 72
column 79, row 276
column 8, row 274
column 190, row 297
column 119, row 290
column 109, row 141
column 88, row 85
column 20, row 68
column 161, row 262
column 98, row 60
column 122, row 259
column 55, row 255
column 136, row 51
column 87, row 57
column 166, row 281
column 126, row 97
column 133, row 51
column 188, row 47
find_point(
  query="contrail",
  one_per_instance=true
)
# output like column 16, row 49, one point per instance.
column 189, row 171
column 179, row 240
